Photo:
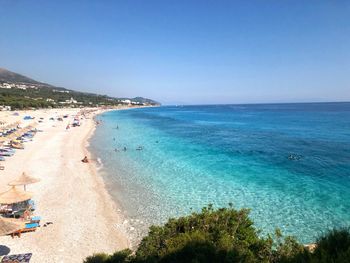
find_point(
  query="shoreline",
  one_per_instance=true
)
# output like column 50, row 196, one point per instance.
column 131, row 232
column 100, row 181
column 71, row 194
column 111, row 204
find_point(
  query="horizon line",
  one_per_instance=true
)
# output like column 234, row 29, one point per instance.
column 256, row 103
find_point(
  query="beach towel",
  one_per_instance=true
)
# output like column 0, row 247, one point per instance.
column 32, row 225
column 20, row 258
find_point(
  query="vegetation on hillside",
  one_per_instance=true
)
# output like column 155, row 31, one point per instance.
column 225, row 235
column 20, row 92
column 49, row 97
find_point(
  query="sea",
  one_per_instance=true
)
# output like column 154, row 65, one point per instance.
column 288, row 163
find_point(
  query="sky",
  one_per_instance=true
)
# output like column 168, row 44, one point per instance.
column 183, row 51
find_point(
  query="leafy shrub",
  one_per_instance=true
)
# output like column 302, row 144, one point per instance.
column 97, row 258
column 226, row 235
column 209, row 236
column 118, row 257
column 333, row 247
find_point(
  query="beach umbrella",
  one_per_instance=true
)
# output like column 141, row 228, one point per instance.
column 14, row 195
column 8, row 226
column 24, row 179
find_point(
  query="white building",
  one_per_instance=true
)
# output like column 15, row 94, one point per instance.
column 70, row 101
column 126, row 101
column 24, row 87
column 6, row 86
column 5, row 108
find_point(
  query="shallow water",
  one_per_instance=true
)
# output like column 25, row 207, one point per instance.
column 289, row 163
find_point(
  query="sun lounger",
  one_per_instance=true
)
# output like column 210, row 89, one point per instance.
column 30, row 227
column 20, row 258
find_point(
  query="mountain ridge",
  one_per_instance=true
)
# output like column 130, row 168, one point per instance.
column 10, row 76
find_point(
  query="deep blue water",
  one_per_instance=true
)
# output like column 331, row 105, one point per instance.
column 289, row 163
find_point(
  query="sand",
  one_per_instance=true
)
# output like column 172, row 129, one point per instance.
column 71, row 194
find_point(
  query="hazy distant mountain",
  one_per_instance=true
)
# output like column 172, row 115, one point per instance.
column 144, row 100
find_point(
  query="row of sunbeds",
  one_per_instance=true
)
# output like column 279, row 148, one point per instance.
column 8, row 149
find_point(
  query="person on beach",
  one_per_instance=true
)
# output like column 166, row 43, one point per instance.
column 85, row 160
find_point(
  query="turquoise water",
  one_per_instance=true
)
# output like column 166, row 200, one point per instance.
column 289, row 163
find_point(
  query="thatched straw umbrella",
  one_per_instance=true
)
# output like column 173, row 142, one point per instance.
column 24, row 179
column 14, row 195
column 8, row 226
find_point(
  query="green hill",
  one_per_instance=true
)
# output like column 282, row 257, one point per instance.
column 19, row 92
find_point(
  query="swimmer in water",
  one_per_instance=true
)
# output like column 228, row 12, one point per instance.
column 294, row 157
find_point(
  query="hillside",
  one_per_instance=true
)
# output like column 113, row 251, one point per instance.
column 18, row 92
column 12, row 77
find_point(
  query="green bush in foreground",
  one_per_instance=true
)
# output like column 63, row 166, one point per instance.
column 333, row 247
column 225, row 235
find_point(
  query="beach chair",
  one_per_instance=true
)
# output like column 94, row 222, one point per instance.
column 30, row 227
column 2, row 167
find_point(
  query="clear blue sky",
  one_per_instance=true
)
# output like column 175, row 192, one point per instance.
column 183, row 51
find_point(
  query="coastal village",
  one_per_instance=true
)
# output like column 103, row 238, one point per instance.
column 63, row 101
column 18, row 92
